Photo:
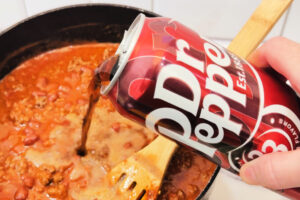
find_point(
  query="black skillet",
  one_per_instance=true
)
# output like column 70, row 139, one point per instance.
column 65, row 26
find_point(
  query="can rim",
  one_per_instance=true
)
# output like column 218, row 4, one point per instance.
column 125, row 49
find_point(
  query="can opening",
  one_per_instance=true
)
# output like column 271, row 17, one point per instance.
column 123, row 53
column 107, row 70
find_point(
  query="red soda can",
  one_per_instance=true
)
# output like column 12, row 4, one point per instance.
column 189, row 89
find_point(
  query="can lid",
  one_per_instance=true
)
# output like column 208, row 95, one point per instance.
column 125, row 49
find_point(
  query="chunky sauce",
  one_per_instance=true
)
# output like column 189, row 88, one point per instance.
column 42, row 105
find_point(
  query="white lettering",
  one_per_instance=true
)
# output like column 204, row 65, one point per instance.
column 222, row 122
column 180, row 73
column 210, row 133
column 274, row 148
column 241, row 85
column 187, row 59
column 220, row 88
column 175, row 115
column 219, row 56
column 171, row 114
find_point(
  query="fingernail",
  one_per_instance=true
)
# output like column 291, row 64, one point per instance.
column 247, row 174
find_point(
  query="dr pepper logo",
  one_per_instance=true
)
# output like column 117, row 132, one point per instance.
column 205, row 97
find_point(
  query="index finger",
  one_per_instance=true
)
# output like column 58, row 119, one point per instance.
column 283, row 55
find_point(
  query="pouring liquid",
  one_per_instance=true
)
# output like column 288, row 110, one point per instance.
column 102, row 77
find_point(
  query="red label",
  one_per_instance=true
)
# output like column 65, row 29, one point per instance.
column 193, row 91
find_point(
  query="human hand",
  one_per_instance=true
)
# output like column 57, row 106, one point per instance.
column 278, row 170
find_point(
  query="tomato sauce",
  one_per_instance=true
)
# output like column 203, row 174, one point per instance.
column 42, row 104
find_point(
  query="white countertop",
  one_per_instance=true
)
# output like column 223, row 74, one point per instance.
column 228, row 187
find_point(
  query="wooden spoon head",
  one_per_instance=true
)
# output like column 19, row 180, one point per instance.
column 135, row 180
column 140, row 176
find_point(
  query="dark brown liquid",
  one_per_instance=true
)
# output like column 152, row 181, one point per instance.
column 101, row 77
column 94, row 91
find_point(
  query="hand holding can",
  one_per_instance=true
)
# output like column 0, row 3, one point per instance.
column 191, row 90
column 278, row 170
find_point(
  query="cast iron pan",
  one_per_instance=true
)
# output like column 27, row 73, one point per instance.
column 65, row 26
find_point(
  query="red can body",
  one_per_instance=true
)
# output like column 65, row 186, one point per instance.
column 197, row 93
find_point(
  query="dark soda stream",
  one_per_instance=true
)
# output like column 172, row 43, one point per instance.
column 94, row 92
column 102, row 76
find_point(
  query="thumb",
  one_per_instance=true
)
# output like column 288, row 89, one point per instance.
column 278, row 170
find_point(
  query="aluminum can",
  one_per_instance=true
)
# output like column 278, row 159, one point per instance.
column 197, row 93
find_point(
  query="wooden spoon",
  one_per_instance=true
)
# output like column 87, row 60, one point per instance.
column 258, row 26
column 144, row 170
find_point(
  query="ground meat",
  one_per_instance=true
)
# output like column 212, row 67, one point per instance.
column 22, row 111
column 44, row 174
column 57, row 190
column 53, row 181
column 37, row 100
column 42, row 83
column 192, row 190
column 181, row 181
column 40, row 101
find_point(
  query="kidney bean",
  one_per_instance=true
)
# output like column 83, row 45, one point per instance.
column 52, row 97
column 116, row 127
column 21, row 193
column 127, row 145
column 30, row 139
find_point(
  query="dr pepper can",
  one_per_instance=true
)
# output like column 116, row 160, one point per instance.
column 189, row 89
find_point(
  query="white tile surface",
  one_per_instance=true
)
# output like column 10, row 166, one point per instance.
column 144, row 4
column 37, row 6
column 292, row 28
column 228, row 188
column 223, row 43
column 11, row 11
column 215, row 18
